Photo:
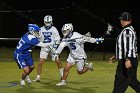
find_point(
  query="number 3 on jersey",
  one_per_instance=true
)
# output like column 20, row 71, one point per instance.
column 73, row 46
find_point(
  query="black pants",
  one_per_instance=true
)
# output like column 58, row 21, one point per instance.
column 125, row 77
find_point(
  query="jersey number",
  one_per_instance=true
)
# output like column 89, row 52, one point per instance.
column 47, row 37
column 73, row 46
column 21, row 42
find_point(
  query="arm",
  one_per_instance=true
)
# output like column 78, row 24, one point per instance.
column 56, row 37
column 41, row 44
column 60, row 47
column 128, row 46
column 93, row 40
column 58, row 51
column 112, row 59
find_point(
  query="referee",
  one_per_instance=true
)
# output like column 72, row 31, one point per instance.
column 126, row 48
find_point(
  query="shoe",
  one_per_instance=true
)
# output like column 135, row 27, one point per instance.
column 90, row 66
column 29, row 80
column 36, row 80
column 22, row 82
column 61, row 84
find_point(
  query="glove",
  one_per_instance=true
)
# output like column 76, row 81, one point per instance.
column 86, row 38
column 99, row 40
column 55, row 56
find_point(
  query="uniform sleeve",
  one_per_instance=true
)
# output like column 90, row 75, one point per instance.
column 84, row 39
column 56, row 35
column 41, row 44
column 41, row 36
column 60, row 47
column 34, row 41
column 128, row 42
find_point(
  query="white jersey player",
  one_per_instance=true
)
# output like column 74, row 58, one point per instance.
column 48, row 33
column 75, row 41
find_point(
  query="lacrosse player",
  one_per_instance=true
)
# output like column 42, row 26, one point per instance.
column 48, row 34
column 75, row 41
column 22, row 53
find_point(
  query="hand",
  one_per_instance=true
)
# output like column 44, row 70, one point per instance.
column 128, row 64
column 99, row 40
column 112, row 59
column 55, row 56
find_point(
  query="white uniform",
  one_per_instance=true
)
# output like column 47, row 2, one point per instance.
column 48, row 36
column 77, row 54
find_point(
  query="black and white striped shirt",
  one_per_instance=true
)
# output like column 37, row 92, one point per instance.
column 126, row 43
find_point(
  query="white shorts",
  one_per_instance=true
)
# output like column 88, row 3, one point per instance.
column 44, row 52
column 79, row 62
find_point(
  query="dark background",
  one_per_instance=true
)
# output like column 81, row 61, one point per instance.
column 93, row 20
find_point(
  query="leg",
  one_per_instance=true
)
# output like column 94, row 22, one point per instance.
column 24, row 74
column 66, row 71
column 43, row 56
column 31, row 68
column 82, row 71
column 83, row 67
column 39, row 69
column 132, row 76
column 59, row 64
column 65, row 74
column 21, row 62
column 30, row 64
column 60, row 67
column 120, row 83
column 40, row 64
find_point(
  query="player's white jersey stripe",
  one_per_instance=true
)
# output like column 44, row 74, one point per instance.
column 18, row 61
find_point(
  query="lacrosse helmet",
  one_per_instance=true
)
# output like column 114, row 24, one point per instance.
column 67, row 29
column 34, row 29
column 48, row 21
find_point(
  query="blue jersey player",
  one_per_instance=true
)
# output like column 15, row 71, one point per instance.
column 22, row 53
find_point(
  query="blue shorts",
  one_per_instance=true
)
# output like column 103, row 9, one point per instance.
column 23, row 60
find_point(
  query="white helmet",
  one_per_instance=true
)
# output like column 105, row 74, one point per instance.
column 48, row 20
column 67, row 29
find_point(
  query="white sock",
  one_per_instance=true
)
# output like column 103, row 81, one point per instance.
column 63, row 81
column 38, row 76
column 61, row 72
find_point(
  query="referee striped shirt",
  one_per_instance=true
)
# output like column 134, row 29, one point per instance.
column 126, row 43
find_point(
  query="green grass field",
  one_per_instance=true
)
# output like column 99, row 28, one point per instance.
column 99, row 81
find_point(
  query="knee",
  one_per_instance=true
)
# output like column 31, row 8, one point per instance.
column 66, row 69
column 79, row 72
column 41, row 62
column 32, row 67
column 26, row 71
column 58, row 61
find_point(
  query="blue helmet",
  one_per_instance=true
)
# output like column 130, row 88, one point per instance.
column 34, row 29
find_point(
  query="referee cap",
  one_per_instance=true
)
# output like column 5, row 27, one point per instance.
column 125, row 16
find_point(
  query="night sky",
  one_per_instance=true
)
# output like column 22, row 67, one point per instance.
column 86, row 15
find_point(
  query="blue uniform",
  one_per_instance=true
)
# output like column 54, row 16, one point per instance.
column 22, row 54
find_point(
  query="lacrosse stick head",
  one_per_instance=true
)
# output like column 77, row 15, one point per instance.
column 109, row 29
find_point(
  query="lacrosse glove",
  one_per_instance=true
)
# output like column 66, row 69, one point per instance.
column 99, row 40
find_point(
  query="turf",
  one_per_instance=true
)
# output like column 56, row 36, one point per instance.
column 98, row 81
